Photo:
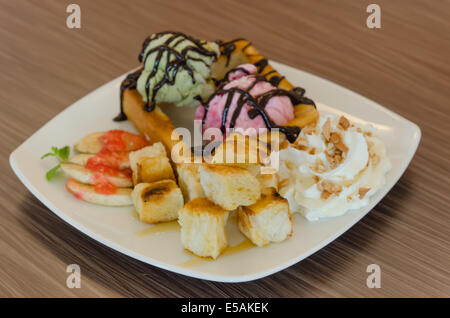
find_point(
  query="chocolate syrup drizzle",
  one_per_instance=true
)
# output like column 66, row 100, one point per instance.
column 172, row 66
column 224, row 80
column 129, row 82
column 227, row 48
column 257, row 104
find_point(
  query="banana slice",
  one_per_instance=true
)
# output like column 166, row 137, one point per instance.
column 82, row 159
column 304, row 115
column 84, row 175
column 90, row 143
column 121, row 197
column 112, row 140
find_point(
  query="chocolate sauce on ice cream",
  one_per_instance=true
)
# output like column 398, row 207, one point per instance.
column 176, row 60
column 258, row 104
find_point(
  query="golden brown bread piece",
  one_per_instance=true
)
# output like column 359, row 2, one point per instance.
column 151, row 169
column 154, row 126
column 229, row 186
column 203, row 227
column 158, row 201
column 189, row 181
column 268, row 220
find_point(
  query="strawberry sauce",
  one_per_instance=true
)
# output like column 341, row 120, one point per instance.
column 108, row 163
column 119, row 140
column 76, row 194
column 117, row 145
column 102, row 185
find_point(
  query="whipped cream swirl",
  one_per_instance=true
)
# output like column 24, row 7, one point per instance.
column 333, row 167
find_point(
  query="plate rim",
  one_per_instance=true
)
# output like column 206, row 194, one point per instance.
column 213, row 277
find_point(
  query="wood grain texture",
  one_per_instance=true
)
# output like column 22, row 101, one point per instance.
column 44, row 67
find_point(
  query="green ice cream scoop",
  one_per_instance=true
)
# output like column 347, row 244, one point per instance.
column 177, row 69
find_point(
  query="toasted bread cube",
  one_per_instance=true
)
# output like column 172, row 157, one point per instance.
column 158, row 201
column 268, row 220
column 151, row 169
column 240, row 151
column 254, row 169
column 229, row 186
column 268, row 181
column 157, row 149
column 189, row 181
column 203, row 227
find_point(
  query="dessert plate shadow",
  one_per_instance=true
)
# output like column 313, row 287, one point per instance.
column 160, row 246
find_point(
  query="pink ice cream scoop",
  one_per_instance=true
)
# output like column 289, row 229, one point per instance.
column 278, row 108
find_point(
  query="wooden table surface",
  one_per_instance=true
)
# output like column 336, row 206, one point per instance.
column 405, row 65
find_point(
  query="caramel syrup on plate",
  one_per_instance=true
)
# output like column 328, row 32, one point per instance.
column 159, row 228
column 135, row 215
column 195, row 260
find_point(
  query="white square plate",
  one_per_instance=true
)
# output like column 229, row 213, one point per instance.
column 117, row 228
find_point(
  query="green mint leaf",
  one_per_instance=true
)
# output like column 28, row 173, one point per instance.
column 63, row 153
column 51, row 173
column 48, row 154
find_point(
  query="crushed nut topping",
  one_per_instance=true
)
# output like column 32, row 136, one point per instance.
column 330, row 160
column 334, row 160
column 325, row 195
column 312, row 151
column 283, row 183
column 343, row 123
column 309, row 130
column 336, row 139
column 284, row 144
column 319, row 166
column 301, row 141
column 316, row 179
column 326, row 130
column 341, row 146
column 362, row 192
column 329, row 186
column 299, row 147
column 375, row 159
